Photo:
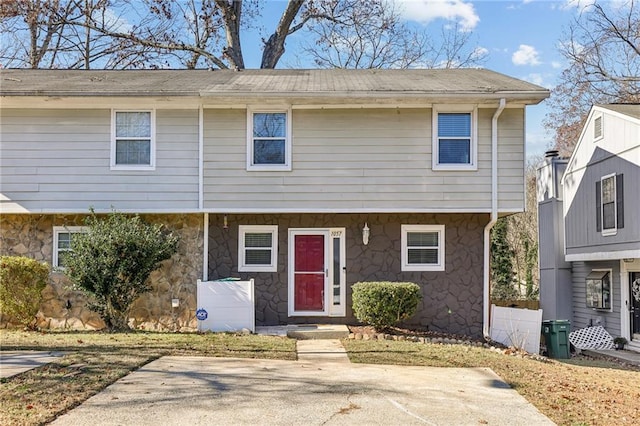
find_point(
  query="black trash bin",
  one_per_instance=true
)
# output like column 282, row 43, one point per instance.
column 556, row 337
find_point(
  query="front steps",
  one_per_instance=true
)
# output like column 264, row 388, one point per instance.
column 307, row 331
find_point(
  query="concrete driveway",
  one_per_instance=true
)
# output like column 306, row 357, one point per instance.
column 226, row 391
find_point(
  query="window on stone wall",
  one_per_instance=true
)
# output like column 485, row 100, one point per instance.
column 62, row 238
column 422, row 247
column 258, row 248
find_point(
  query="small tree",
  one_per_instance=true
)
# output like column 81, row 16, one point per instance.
column 21, row 283
column 502, row 274
column 112, row 261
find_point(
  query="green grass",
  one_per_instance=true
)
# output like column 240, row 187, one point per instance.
column 94, row 360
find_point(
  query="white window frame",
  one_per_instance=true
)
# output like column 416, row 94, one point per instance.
column 473, row 155
column 609, row 231
column 57, row 230
column 251, row 229
column 406, row 266
column 287, row 144
column 611, row 287
column 152, row 138
column 601, row 118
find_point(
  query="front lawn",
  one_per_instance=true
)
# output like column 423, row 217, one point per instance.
column 94, row 360
column 579, row 391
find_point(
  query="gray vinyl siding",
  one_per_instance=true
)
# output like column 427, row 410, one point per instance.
column 59, row 160
column 580, row 219
column 584, row 316
column 360, row 159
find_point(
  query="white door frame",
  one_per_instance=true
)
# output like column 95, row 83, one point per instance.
column 625, row 296
column 331, row 275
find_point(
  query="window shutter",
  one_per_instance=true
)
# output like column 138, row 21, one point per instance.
column 598, row 206
column 620, row 201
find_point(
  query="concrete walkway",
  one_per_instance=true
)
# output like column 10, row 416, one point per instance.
column 324, row 350
column 227, row 391
column 16, row 362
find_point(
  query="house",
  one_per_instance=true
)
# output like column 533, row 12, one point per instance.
column 589, row 231
column 305, row 180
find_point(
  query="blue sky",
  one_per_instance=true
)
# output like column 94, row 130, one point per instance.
column 521, row 39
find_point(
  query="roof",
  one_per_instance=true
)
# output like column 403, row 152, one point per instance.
column 416, row 83
column 632, row 110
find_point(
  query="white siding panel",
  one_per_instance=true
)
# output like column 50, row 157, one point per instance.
column 60, row 160
column 351, row 159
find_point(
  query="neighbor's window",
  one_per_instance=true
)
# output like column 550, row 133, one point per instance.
column 133, row 141
column 454, row 139
column 422, row 247
column 258, row 248
column 599, row 289
column 269, row 141
column 62, row 237
column 610, row 204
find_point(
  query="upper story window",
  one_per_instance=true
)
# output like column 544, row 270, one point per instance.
column 610, row 204
column 597, row 128
column 454, row 139
column 269, row 140
column 133, row 140
column 62, row 238
column 258, row 248
column 422, row 247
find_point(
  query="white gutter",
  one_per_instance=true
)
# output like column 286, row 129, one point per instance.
column 205, row 249
column 486, row 302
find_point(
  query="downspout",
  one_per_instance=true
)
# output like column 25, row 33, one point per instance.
column 486, row 302
column 205, row 230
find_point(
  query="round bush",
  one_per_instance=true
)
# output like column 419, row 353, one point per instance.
column 21, row 283
column 384, row 304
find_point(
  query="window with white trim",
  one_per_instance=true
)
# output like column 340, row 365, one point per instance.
column 422, row 247
column 258, row 248
column 133, row 140
column 62, row 238
column 269, row 140
column 454, row 139
column 599, row 289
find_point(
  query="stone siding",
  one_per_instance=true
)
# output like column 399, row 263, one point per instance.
column 32, row 236
column 452, row 299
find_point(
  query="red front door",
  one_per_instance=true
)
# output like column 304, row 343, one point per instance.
column 309, row 272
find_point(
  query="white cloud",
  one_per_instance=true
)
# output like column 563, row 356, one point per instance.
column 578, row 4
column 425, row 11
column 556, row 65
column 525, row 55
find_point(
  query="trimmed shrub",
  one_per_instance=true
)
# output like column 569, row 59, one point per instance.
column 384, row 304
column 21, row 283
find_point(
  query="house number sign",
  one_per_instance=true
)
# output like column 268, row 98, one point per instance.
column 201, row 314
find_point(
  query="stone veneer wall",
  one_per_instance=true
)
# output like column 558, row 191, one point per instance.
column 452, row 299
column 32, row 236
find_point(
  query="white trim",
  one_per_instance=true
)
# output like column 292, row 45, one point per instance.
column 151, row 138
column 200, row 158
column 472, row 110
column 287, row 144
column 57, row 230
column 610, row 308
column 625, row 296
column 439, row 229
column 609, row 255
column 254, row 229
column 609, row 231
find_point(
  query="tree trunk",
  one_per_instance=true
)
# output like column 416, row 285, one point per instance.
column 274, row 47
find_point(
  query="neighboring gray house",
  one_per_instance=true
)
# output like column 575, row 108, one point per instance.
column 589, row 226
column 274, row 175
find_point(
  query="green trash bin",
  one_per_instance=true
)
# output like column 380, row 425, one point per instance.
column 556, row 337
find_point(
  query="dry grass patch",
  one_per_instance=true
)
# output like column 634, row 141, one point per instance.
column 94, row 360
column 580, row 391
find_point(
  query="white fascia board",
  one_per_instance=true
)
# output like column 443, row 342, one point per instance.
column 101, row 102
column 609, row 255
